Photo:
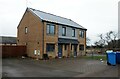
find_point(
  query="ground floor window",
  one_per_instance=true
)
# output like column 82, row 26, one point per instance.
column 81, row 47
column 50, row 47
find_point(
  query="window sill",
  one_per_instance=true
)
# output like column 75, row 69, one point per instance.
column 51, row 34
column 81, row 37
column 63, row 35
column 50, row 52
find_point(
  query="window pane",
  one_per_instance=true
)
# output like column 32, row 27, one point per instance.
column 82, row 34
column 73, row 32
column 51, row 29
column 50, row 47
column 63, row 31
column 48, row 29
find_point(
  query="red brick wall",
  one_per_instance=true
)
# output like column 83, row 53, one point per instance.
column 13, row 51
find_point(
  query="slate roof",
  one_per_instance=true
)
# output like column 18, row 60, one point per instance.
column 56, row 19
column 8, row 40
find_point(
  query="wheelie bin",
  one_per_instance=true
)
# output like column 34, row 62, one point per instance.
column 111, row 58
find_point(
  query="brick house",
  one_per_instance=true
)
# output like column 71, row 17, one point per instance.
column 45, row 33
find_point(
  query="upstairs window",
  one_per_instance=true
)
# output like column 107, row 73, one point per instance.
column 50, row 29
column 63, row 31
column 26, row 30
column 73, row 32
column 81, row 33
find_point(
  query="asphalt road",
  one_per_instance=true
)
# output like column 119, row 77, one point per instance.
column 67, row 67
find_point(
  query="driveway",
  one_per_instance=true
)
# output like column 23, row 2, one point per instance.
column 66, row 67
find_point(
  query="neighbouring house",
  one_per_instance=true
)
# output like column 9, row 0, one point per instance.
column 7, row 40
column 45, row 33
column 9, row 47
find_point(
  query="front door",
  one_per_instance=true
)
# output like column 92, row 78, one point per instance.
column 75, row 50
column 59, row 51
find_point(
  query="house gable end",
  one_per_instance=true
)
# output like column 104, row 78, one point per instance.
column 27, row 10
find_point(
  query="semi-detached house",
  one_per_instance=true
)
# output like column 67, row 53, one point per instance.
column 45, row 33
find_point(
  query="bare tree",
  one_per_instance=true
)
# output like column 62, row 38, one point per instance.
column 97, row 44
column 88, row 40
column 108, row 40
column 111, row 39
column 101, row 42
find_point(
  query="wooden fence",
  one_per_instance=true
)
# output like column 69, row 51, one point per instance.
column 12, row 51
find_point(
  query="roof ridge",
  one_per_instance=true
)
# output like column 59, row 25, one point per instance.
column 51, row 14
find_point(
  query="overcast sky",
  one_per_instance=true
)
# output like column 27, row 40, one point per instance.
column 98, row 16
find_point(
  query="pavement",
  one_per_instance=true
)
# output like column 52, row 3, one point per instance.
column 65, row 67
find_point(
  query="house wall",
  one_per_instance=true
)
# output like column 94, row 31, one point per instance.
column 83, row 42
column 77, row 36
column 65, row 52
column 51, row 39
column 68, row 32
column 34, row 38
